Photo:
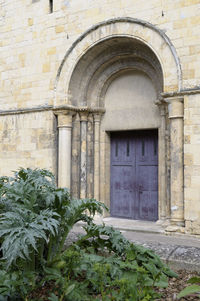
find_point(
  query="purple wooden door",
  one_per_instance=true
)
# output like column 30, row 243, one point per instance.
column 134, row 175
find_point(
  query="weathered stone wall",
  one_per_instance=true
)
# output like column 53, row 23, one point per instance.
column 32, row 46
column 27, row 140
column 33, row 41
column 192, row 162
column 130, row 103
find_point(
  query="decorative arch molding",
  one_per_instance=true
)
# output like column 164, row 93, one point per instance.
column 102, row 80
column 100, row 60
column 93, row 61
column 143, row 32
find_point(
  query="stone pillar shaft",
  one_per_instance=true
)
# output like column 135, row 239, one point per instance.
column 83, row 169
column 162, row 163
column 64, row 149
column 176, row 148
column 97, row 119
column 75, row 189
column 90, row 157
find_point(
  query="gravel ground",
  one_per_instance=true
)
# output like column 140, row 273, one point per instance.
column 168, row 294
column 176, row 285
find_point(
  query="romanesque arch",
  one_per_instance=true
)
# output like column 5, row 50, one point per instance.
column 102, row 54
column 141, row 31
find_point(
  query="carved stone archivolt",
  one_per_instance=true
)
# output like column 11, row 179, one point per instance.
column 100, row 64
column 90, row 144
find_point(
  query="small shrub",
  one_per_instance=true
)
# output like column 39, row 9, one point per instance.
column 35, row 220
column 191, row 289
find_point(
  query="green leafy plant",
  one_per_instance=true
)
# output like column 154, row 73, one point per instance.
column 35, row 220
column 191, row 289
column 107, row 265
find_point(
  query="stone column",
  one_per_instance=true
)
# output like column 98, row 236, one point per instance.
column 75, row 189
column 83, row 169
column 64, row 148
column 97, row 119
column 168, row 170
column 175, row 108
column 90, row 156
column 162, row 162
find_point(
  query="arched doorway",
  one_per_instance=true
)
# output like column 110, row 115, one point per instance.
column 132, row 120
column 91, row 75
column 123, row 77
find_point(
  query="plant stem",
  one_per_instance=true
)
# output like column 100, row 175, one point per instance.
column 32, row 262
column 41, row 249
column 50, row 249
column 63, row 240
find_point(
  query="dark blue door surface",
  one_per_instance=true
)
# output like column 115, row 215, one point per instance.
column 134, row 175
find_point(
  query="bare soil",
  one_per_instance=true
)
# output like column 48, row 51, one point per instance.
column 168, row 294
column 176, row 285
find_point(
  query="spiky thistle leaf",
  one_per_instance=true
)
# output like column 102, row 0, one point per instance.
column 22, row 229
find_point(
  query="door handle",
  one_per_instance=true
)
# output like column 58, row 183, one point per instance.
column 140, row 188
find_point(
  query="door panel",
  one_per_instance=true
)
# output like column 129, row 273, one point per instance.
column 134, row 175
column 122, row 150
column 122, row 189
column 148, row 192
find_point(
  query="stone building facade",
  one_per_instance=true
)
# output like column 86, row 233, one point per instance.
column 106, row 94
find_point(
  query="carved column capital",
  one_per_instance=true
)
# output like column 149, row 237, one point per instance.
column 97, row 117
column 162, row 106
column 175, row 106
column 64, row 118
column 83, row 115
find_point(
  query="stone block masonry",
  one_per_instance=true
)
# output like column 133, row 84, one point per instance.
column 28, row 140
column 55, row 57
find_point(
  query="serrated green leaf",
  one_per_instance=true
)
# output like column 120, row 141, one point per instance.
column 69, row 289
column 194, row 280
column 189, row 290
column 53, row 297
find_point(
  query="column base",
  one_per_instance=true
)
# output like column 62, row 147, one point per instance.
column 177, row 222
column 176, row 225
column 164, row 222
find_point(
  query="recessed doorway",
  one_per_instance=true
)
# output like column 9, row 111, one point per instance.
column 134, row 175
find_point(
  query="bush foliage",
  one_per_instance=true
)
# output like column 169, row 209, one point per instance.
column 192, row 289
column 35, row 220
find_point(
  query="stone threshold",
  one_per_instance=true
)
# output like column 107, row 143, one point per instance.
column 131, row 225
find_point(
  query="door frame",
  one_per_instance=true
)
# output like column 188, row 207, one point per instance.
column 163, row 189
column 135, row 137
